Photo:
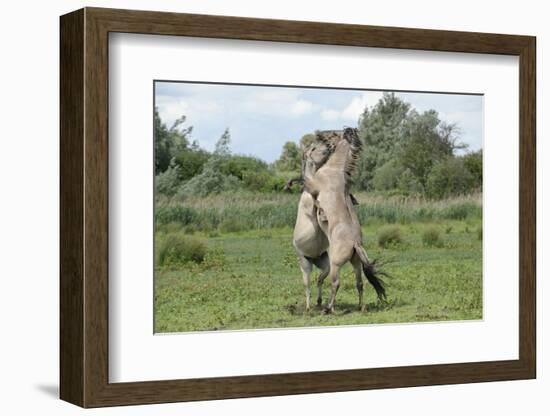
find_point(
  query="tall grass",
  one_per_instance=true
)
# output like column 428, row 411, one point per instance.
column 248, row 211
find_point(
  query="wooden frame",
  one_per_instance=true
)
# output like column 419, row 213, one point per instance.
column 84, row 207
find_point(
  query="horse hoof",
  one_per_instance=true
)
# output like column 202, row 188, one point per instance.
column 328, row 311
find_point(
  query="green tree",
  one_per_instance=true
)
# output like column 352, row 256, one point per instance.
column 169, row 141
column 473, row 161
column 420, row 147
column 380, row 129
column 425, row 142
column 223, row 144
column 191, row 162
column 291, row 157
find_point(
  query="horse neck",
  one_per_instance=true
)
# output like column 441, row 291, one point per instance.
column 339, row 159
column 309, row 169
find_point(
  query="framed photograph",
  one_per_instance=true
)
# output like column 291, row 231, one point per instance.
column 254, row 207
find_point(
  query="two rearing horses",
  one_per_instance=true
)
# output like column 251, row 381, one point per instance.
column 327, row 232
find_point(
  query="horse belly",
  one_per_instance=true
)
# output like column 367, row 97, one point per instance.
column 309, row 240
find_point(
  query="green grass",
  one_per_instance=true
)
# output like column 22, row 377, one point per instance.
column 251, row 279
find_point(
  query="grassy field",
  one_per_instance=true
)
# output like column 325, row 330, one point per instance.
column 250, row 278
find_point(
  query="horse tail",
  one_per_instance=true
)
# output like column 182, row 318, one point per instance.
column 373, row 275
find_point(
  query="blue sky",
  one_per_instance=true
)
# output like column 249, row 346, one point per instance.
column 262, row 118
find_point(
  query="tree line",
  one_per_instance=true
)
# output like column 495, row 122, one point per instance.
column 405, row 152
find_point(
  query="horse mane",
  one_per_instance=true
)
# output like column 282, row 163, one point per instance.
column 356, row 147
column 329, row 138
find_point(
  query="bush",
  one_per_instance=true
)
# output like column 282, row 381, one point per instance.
column 387, row 176
column 191, row 229
column 480, row 233
column 238, row 165
column 176, row 249
column 389, row 236
column 474, row 163
column 175, row 213
column 190, row 163
column 277, row 183
column 231, row 225
column 256, row 181
column 167, row 182
column 408, row 183
column 431, row 237
column 171, row 227
column 449, row 177
column 212, row 180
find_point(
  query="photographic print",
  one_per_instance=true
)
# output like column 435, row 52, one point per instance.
column 291, row 206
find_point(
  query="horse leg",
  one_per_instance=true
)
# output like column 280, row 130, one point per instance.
column 334, row 274
column 322, row 262
column 306, row 266
column 358, row 270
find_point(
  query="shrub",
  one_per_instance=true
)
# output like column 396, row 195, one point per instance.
column 431, row 237
column 213, row 234
column 176, row 249
column 212, row 180
column 480, row 233
column 175, row 213
column 256, row 181
column 409, row 184
column 231, row 225
column 239, row 165
column 449, row 177
column 171, row 227
column 389, row 236
column 474, row 163
column 167, row 182
column 387, row 176
column 190, row 163
column 277, row 183
column 191, row 229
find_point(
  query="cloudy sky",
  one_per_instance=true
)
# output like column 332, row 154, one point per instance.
column 262, row 118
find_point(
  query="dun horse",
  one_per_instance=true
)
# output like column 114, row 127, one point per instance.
column 328, row 188
column 309, row 240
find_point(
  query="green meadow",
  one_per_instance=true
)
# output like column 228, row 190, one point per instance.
column 226, row 262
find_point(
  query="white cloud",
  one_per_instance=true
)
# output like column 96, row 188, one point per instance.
column 330, row 115
column 277, row 102
column 172, row 108
column 199, row 102
column 301, row 107
column 357, row 105
column 354, row 108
